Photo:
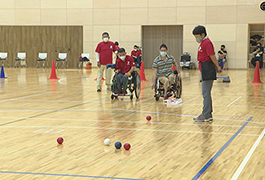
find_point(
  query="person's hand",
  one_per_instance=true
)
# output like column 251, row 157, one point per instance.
column 152, row 86
column 219, row 70
column 116, row 71
column 127, row 74
column 98, row 64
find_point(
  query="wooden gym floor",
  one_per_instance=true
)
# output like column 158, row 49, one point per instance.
column 35, row 111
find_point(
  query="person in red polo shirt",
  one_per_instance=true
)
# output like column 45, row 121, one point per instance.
column 136, row 53
column 104, row 52
column 207, row 65
column 124, row 67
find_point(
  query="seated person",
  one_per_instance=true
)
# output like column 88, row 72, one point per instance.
column 222, row 56
column 136, row 53
column 124, row 66
column 163, row 69
column 258, row 56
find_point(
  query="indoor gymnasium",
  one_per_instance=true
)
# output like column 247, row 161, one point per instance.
column 132, row 89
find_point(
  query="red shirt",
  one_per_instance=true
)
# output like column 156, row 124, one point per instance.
column 125, row 66
column 105, row 50
column 205, row 50
column 136, row 53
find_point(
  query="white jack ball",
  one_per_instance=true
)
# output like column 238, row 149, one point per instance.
column 107, row 142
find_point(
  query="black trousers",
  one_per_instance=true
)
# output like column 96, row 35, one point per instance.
column 260, row 59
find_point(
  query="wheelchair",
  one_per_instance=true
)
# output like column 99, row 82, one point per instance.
column 174, row 90
column 133, row 84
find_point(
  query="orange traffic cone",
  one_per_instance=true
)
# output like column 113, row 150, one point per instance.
column 53, row 73
column 256, row 75
column 142, row 74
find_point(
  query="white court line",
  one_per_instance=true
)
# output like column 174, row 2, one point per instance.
column 159, row 123
column 24, row 97
column 243, row 164
column 122, row 129
column 139, row 122
column 191, row 99
column 37, row 130
column 234, row 101
column 48, row 131
column 112, row 111
column 144, row 100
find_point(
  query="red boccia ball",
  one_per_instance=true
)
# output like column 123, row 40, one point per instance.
column 148, row 118
column 127, row 146
column 60, row 140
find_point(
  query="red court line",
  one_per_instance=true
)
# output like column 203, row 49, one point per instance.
column 162, row 158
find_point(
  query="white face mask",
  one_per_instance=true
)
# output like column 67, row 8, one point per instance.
column 163, row 53
column 105, row 39
column 199, row 39
column 122, row 57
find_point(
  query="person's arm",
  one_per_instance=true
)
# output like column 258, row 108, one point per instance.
column 118, row 69
column 213, row 58
column 97, row 57
column 154, row 79
column 177, row 68
column 130, row 72
column 255, row 51
column 98, row 50
column 175, row 64
column 261, row 52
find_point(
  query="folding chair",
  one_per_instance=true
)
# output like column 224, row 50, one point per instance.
column 3, row 58
column 42, row 57
column 62, row 57
column 21, row 57
column 84, row 58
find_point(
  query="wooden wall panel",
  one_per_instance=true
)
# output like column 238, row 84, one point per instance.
column 42, row 39
column 154, row 36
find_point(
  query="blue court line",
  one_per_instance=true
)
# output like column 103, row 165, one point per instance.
column 69, row 175
column 208, row 164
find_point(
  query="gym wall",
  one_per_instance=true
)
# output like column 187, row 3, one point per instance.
column 226, row 20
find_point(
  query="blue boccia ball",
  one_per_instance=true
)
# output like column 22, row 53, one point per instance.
column 118, row 145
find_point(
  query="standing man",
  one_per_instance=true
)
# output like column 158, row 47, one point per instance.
column 104, row 52
column 207, row 65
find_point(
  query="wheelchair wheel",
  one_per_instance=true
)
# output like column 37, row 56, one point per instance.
column 112, row 97
column 178, row 87
column 114, row 84
column 131, row 96
column 157, row 97
column 137, row 86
